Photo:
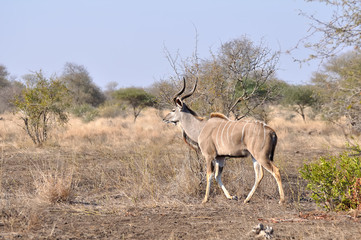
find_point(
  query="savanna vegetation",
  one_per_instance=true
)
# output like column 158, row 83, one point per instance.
column 77, row 162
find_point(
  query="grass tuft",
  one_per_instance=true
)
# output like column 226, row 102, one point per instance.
column 54, row 186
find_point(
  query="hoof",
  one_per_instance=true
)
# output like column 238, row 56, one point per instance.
column 281, row 202
column 246, row 201
column 234, row 198
column 204, row 201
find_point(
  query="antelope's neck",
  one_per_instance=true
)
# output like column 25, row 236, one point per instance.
column 192, row 126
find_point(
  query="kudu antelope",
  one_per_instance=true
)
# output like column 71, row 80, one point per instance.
column 219, row 137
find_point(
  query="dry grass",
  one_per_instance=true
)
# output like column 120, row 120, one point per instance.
column 136, row 155
column 313, row 134
column 115, row 163
column 148, row 160
column 53, row 186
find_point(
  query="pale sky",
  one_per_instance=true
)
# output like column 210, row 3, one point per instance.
column 123, row 41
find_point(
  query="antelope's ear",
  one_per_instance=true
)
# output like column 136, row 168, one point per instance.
column 178, row 102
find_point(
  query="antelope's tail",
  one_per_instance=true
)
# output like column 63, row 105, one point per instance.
column 274, row 143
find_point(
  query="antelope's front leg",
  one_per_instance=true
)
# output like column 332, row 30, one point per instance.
column 209, row 178
column 258, row 178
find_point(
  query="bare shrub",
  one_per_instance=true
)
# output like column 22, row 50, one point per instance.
column 189, row 176
column 54, row 186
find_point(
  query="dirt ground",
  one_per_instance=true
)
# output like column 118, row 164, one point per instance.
column 219, row 219
column 107, row 215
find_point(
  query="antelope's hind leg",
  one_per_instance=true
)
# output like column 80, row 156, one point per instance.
column 218, row 176
column 258, row 178
column 270, row 167
column 276, row 174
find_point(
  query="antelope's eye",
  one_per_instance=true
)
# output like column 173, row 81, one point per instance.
column 173, row 110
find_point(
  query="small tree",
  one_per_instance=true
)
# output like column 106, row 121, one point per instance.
column 81, row 86
column 137, row 98
column 233, row 81
column 8, row 89
column 42, row 102
column 3, row 76
column 339, row 85
column 298, row 98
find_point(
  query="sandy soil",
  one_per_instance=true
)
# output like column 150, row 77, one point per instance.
column 219, row 219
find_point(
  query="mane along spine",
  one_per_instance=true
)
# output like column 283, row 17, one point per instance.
column 219, row 115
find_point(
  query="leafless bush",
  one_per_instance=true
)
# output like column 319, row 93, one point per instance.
column 54, row 186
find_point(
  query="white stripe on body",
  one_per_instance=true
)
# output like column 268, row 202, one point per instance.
column 217, row 145
column 243, row 131
column 256, row 136
column 228, row 139
column 234, row 126
column 222, row 133
column 253, row 135
column 264, row 135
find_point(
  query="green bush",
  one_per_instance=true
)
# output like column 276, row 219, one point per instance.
column 334, row 181
column 42, row 104
column 112, row 110
column 86, row 112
